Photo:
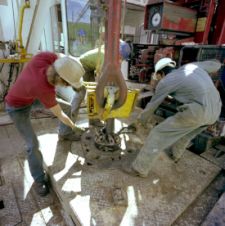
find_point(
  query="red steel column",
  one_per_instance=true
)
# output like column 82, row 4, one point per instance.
column 112, row 75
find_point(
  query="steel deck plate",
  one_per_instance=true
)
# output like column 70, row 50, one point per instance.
column 217, row 214
column 216, row 155
column 88, row 192
column 9, row 215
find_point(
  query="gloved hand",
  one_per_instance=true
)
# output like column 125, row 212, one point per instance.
column 140, row 122
column 135, row 125
column 78, row 130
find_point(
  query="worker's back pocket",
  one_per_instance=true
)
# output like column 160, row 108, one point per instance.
column 192, row 114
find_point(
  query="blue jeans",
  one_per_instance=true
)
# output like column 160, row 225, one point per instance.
column 21, row 119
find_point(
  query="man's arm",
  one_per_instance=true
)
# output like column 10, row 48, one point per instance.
column 58, row 112
column 161, row 93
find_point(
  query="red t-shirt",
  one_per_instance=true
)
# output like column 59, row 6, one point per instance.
column 32, row 83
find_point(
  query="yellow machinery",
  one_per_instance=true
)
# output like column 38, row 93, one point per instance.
column 109, row 98
column 104, row 142
column 21, row 56
column 94, row 111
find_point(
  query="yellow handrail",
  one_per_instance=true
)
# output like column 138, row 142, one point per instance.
column 20, row 39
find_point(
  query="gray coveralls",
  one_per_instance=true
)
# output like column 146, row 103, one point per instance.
column 192, row 86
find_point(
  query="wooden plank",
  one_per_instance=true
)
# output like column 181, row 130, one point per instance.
column 86, row 192
column 216, row 155
column 27, row 205
column 9, row 212
column 48, row 206
column 34, row 210
column 217, row 214
column 6, row 147
column 3, row 133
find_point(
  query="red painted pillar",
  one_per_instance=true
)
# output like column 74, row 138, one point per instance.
column 204, row 24
column 219, row 28
column 112, row 75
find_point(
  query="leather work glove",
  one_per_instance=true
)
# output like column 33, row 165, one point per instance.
column 78, row 130
column 140, row 123
column 136, row 125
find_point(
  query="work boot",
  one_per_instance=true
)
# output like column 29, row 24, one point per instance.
column 96, row 122
column 41, row 188
column 70, row 137
column 127, row 168
column 176, row 154
column 73, row 136
column 79, row 130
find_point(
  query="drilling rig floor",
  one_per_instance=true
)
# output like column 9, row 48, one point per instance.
column 94, row 191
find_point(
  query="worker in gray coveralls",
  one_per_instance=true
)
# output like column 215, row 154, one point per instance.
column 192, row 86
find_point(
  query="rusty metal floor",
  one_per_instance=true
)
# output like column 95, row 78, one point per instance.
column 216, row 155
column 100, row 194
column 217, row 215
column 19, row 204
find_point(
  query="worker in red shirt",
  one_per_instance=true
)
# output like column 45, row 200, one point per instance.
column 36, row 83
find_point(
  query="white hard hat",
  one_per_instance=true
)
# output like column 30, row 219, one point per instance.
column 70, row 69
column 163, row 63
